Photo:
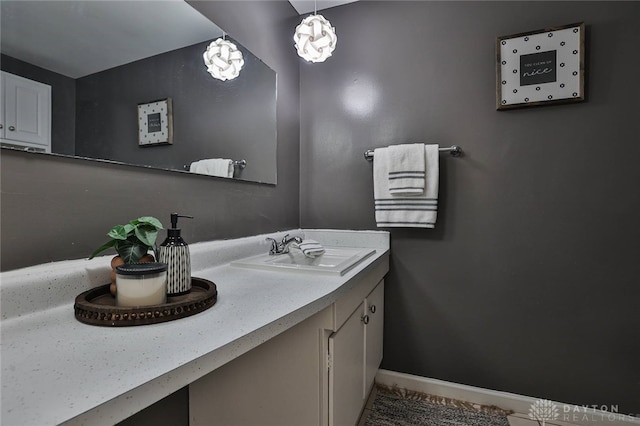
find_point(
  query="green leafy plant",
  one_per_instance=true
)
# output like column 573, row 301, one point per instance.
column 133, row 240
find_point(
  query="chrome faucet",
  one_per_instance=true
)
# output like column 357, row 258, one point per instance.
column 282, row 246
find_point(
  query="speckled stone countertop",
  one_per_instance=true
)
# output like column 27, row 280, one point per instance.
column 56, row 369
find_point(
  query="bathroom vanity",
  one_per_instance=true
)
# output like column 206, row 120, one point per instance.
column 280, row 346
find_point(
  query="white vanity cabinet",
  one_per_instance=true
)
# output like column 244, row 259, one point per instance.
column 25, row 113
column 374, row 334
column 318, row 372
column 278, row 383
column 355, row 353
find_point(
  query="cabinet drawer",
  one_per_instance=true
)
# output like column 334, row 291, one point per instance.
column 346, row 305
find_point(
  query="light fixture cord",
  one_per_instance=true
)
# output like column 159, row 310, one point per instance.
column 315, row 7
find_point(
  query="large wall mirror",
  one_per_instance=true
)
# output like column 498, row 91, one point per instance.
column 103, row 59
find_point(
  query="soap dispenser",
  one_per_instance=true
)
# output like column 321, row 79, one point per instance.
column 175, row 253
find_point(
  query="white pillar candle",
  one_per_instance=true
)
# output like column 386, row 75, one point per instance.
column 141, row 284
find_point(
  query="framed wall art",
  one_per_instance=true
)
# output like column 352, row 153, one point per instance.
column 541, row 67
column 155, row 123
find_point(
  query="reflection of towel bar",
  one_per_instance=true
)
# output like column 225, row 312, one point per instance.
column 241, row 164
column 454, row 150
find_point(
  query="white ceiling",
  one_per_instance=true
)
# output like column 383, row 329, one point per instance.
column 81, row 37
column 307, row 6
column 78, row 38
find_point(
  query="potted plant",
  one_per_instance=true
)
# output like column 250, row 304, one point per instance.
column 132, row 242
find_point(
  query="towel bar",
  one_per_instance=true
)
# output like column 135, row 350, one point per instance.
column 454, row 150
column 241, row 164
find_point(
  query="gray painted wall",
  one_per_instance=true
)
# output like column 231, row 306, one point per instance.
column 59, row 208
column 529, row 283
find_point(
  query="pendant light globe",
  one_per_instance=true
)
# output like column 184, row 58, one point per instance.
column 223, row 59
column 315, row 39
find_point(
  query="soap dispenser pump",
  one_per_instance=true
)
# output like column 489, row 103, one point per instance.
column 175, row 253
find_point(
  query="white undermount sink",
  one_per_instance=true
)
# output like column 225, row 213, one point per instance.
column 335, row 260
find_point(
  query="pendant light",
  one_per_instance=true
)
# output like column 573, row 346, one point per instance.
column 223, row 59
column 315, row 39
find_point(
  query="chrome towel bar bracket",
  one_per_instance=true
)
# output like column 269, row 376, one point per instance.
column 240, row 163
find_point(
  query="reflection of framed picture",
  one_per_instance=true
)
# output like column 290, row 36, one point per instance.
column 155, row 123
column 542, row 67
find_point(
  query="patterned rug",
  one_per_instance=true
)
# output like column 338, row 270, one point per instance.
column 400, row 407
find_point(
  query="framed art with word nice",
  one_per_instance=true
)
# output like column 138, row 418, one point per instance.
column 543, row 67
column 155, row 123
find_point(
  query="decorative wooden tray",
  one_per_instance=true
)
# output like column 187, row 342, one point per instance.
column 98, row 307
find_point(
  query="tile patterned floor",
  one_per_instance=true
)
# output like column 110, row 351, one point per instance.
column 517, row 419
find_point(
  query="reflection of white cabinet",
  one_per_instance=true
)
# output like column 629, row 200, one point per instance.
column 355, row 353
column 25, row 113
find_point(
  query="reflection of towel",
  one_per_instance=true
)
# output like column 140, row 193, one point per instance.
column 221, row 167
column 310, row 248
column 406, row 169
column 417, row 211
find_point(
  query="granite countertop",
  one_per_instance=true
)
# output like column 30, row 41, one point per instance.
column 56, row 369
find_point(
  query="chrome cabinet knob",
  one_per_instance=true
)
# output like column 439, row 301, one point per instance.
column 372, row 309
column 12, row 128
column 365, row 319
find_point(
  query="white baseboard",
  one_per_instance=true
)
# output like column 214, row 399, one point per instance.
column 568, row 413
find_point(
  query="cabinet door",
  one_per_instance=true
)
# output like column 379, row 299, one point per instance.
column 374, row 330
column 279, row 383
column 27, row 111
column 346, row 371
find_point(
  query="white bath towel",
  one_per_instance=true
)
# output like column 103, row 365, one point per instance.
column 406, row 169
column 419, row 211
column 221, row 167
column 310, row 248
